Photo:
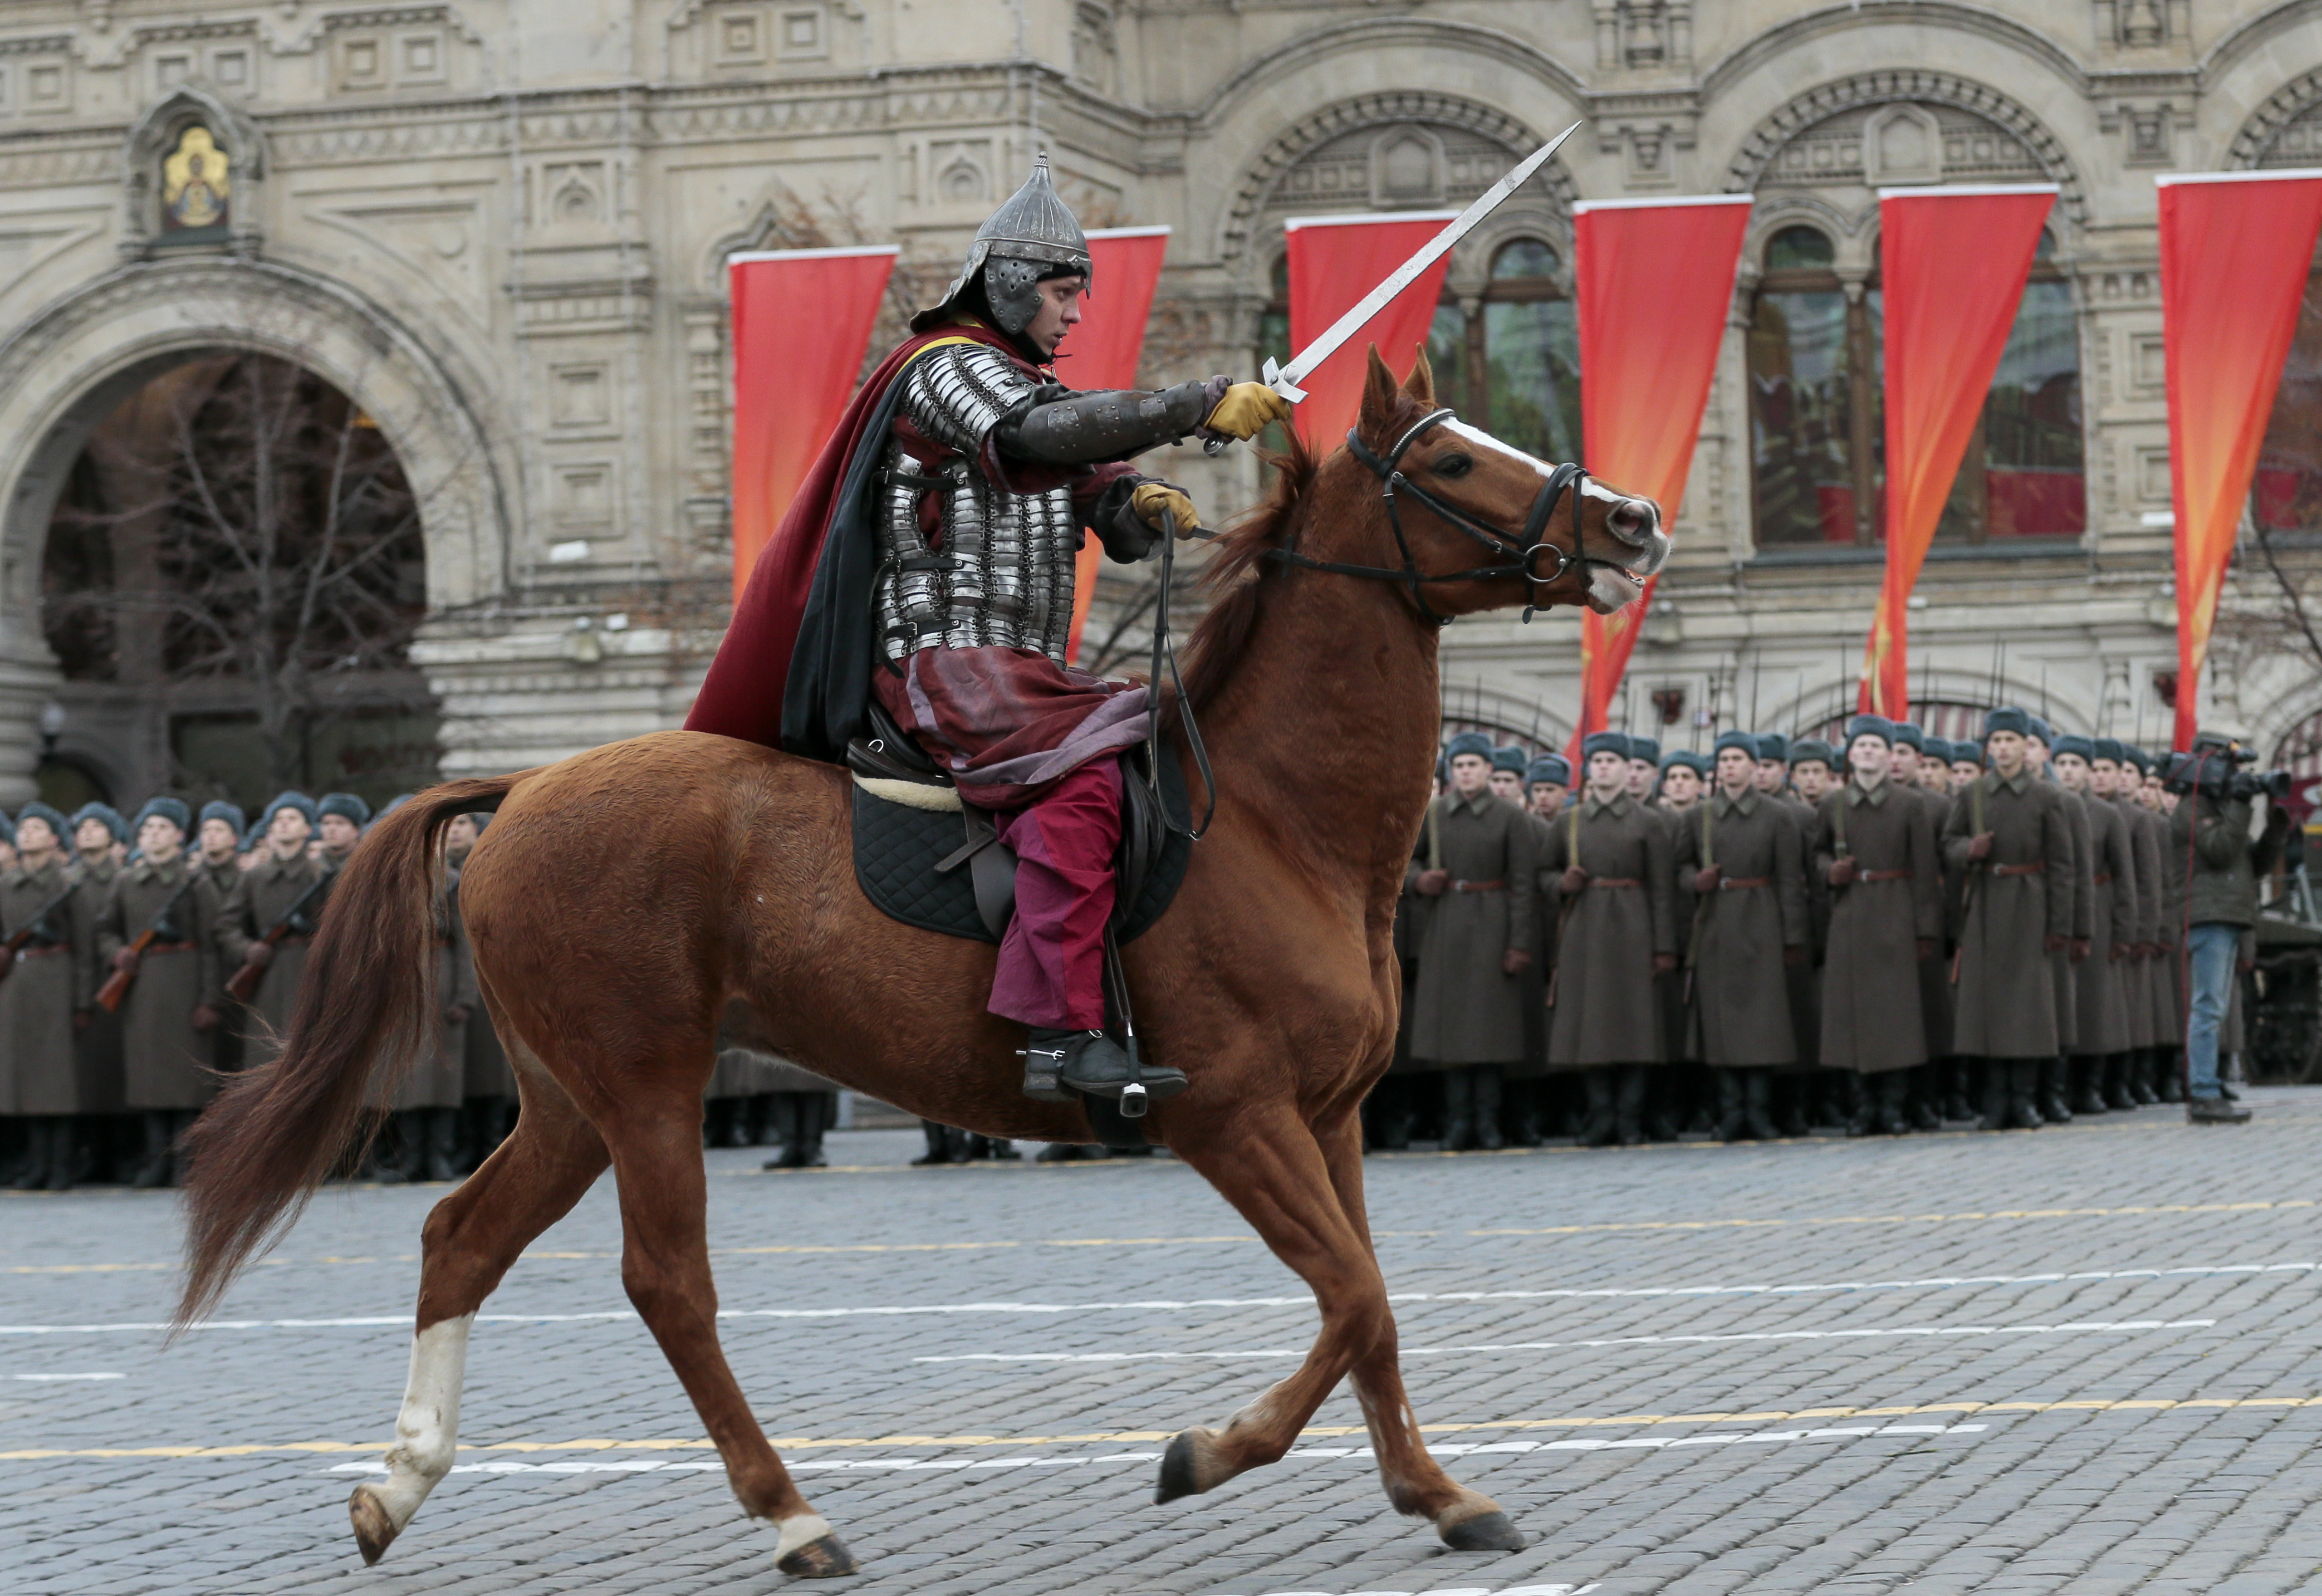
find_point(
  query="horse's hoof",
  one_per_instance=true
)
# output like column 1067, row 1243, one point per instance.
column 374, row 1530
column 1485, row 1532
column 823, row 1558
column 1180, row 1475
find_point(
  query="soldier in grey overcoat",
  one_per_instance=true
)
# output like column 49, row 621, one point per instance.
column 2010, row 833
column 2124, row 1083
column 1612, row 859
column 2053, row 1092
column 1473, row 861
column 1874, row 849
column 218, row 858
column 1932, row 1088
column 1740, row 871
column 1548, row 786
column 2101, row 1031
column 100, row 838
column 47, row 993
column 264, row 893
column 167, row 1015
column 2143, row 966
column 2167, row 988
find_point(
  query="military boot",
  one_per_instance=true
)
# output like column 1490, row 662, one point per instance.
column 2023, row 1094
column 1862, row 1116
column 939, row 1151
column 2112, row 1081
column 1601, row 1124
column 1386, row 1113
column 1091, row 1062
column 155, row 1169
column 1524, row 1096
column 1486, row 1093
column 40, row 1139
column 1459, row 1108
column 1629, row 1108
column 2168, row 1075
column 1757, row 1097
column 718, row 1123
column 442, row 1144
column 2136, row 1077
column 1894, row 1091
column 1994, row 1114
column 1733, row 1094
column 2048, row 1091
column 2088, row 1086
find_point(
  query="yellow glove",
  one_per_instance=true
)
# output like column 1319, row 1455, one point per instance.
column 1148, row 500
column 1248, row 409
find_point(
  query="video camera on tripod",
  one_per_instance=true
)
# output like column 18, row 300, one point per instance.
column 2215, row 767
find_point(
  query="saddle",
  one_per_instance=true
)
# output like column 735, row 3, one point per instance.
column 928, row 858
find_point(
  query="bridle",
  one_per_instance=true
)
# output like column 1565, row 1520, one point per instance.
column 1524, row 553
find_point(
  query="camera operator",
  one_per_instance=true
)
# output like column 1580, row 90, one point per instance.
column 2209, row 842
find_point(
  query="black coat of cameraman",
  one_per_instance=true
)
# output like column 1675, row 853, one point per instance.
column 2212, row 832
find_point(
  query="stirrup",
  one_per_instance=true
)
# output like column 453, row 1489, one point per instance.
column 1040, row 1068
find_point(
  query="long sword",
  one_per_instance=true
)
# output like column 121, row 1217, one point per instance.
column 1284, row 380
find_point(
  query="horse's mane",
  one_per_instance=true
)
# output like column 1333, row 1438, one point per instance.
column 1237, row 576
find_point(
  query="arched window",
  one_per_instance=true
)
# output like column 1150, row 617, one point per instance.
column 2287, row 495
column 1817, row 422
column 1514, row 362
column 1813, row 398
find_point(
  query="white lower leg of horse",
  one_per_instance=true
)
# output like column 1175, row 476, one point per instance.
column 797, row 1530
column 428, row 1430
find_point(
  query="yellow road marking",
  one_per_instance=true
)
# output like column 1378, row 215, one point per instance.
column 1971, row 1216
column 1111, row 1438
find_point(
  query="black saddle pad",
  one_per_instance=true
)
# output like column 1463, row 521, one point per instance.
column 898, row 847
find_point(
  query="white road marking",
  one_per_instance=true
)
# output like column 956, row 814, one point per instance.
column 942, row 1465
column 1177, row 1305
column 68, row 1377
column 1539, row 1346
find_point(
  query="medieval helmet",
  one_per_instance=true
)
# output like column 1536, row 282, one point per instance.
column 1032, row 236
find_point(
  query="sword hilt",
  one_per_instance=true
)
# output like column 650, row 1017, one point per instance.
column 1272, row 376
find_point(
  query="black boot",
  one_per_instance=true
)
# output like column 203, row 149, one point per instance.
column 2023, row 1094
column 1921, row 1092
column 2168, row 1075
column 1862, row 1116
column 757, row 1117
column 1994, row 1116
column 155, row 1169
column 1629, row 1108
column 1092, row 1062
column 1459, row 1108
column 442, row 1144
column 40, row 1139
column 717, row 1122
column 1757, row 1101
column 1601, row 1125
column 1485, row 1078
column 2053, row 1108
column 782, row 1125
column 1386, row 1113
column 1893, row 1090
column 1959, row 1101
column 1731, row 1093
column 2112, row 1075
column 2088, row 1086
column 1523, row 1097
column 817, row 1112
column 938, row 1146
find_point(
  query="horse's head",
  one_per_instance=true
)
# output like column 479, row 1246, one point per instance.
column 1504, row 527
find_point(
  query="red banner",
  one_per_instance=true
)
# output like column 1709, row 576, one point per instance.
column 1334, row 261
column 802, row 319
column 1952, row 263
column 1103, row 351
column 1654, row 281
column 2235, row 248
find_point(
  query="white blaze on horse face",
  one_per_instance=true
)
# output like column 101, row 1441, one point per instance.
column 1651, row 553
column 428, row 1430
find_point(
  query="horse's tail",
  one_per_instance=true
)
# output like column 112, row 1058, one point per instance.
column 364, row 1006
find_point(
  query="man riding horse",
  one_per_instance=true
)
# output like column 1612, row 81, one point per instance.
column 929, row 563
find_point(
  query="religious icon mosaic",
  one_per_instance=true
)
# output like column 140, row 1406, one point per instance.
column 197, row 184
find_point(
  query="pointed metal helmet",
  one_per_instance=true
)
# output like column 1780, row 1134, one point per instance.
column 1028, row 238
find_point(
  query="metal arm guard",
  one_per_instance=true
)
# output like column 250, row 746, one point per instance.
column 1084, row 428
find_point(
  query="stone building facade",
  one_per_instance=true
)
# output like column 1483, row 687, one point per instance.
column 498, row 228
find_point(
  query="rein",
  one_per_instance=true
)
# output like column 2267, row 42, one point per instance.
column 1525, row 552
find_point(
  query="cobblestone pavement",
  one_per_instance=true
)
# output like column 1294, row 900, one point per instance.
column 2078, row 1359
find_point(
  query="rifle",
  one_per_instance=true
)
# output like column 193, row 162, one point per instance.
column 1967, row 893
column 115, row 990
column 244, row 983
column 16, row 944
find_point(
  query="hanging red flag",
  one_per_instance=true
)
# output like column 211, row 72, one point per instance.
column 1103, row 351
column 1654, row 281
column 802, row 319
column 1952, row 263
column 2235, row 248
column 1335, row 261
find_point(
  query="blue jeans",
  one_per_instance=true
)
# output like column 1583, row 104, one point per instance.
column 2209, row 952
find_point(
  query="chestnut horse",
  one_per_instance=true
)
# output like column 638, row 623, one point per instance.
column 628, row 896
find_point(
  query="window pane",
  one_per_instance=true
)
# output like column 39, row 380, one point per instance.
column 1446, row 355
column 2032, row 422
column 1798, row 249
column 1524, row 257
column 1798, row 418
column 1532, row 368
column 2288, row 492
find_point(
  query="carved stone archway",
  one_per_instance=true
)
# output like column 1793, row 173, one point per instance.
column 70, row 365
column 1898, row 86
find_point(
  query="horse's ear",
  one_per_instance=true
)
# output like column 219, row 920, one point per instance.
column 1421, row 384
column 1379, row 396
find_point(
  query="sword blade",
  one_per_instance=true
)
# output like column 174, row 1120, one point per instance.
column 1284, row 380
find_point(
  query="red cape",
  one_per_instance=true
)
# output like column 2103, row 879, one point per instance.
column 742, row 695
